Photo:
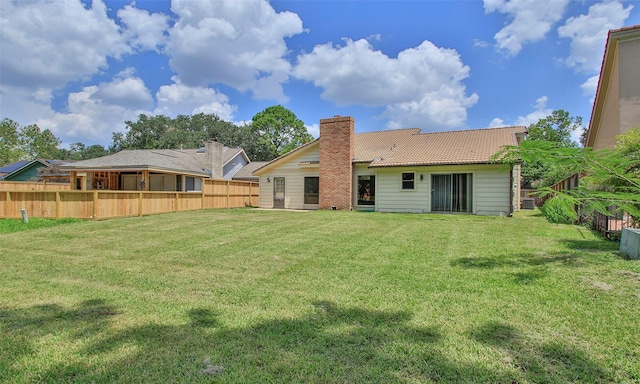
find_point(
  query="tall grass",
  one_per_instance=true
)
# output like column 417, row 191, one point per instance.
column 241, row 296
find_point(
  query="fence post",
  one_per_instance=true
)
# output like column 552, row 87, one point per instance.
column 228, row 194
column 95, row 205
column 176, row 202
column 58, row 205
column 8, row 204
column 140, row 204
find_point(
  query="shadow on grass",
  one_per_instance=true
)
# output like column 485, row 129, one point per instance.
column 533, row 266
column 601, row 245
column 329, row 344
column 24, row 329
column 540, row 361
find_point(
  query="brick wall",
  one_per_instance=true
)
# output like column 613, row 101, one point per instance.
column 336, row 169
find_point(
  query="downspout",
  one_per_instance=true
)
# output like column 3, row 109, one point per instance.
column 511, row 196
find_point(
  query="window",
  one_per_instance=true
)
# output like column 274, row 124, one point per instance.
column 311, row 190
column 366, row 190
column 193, row 184
column 408, row 180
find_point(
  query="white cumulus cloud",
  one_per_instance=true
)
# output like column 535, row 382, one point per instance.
column 496, row 122
column 96, row 111
column 422, row 87
column 240, row 44
column 588, row 34
column 124, row 91
column 540, row 112
column 144, row 30
column 529, row 21
column 179, row 99
column 49, row 43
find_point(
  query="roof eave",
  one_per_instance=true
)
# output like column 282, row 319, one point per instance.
column 433, row 164
column 28, row 165
column 130, row 168
column 262, row 169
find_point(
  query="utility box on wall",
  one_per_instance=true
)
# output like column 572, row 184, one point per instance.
column 630, row 243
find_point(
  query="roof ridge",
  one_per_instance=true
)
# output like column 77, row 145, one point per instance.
column 388, row 130
column 475, row 129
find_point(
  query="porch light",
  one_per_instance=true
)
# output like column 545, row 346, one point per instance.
column 268, row 180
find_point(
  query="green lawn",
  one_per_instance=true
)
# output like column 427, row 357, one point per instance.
column 251, row 296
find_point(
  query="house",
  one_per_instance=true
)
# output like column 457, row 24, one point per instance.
column 158, row 169
column 246, row 173
column 32, row 170
column 616, row 109
column 395, row 171
column 10, row 168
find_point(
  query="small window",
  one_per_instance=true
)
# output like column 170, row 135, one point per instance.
column 408, row 180
column 311, row 190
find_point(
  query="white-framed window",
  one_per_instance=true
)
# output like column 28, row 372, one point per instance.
column 408, row 181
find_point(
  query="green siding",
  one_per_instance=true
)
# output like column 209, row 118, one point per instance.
column 29, row 173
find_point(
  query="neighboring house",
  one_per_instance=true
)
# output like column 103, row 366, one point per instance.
column 616, row 109
column 27, row 170
column 395, row 171
column 53, row 173
column 9, row 168
column 158, row 169
column 246, row 173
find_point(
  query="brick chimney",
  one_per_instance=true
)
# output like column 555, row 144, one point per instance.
column 337, row 148
column 213, row 150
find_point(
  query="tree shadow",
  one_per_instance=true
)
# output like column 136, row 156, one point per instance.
column 512, row 260
column 22, row 329
column 536, row 361
column 592, row 245
column 329, row 344
column 532, row 267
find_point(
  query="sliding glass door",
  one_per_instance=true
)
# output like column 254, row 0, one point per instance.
column 451, row 192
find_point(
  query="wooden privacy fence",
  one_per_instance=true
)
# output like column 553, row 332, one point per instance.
column 104, row 204
column 611, row 226
column 32, row 186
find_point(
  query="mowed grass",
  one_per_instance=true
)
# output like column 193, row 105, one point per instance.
column 17, row 225
column 252, row 296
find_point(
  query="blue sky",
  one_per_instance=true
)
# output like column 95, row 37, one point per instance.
column 83, row 68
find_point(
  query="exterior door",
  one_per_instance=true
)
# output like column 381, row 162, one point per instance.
column 441, row 193
column 451, row 193
column 278, row 192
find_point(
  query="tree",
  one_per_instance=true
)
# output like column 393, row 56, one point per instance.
column 79, row 151
column 555, row 128
column 155, row 132
column 610, row 177
column 26, row 143
column 9, row 152
column 280, row 130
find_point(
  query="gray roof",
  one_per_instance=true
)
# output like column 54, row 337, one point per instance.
column 184, row 161
column 246, row 173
